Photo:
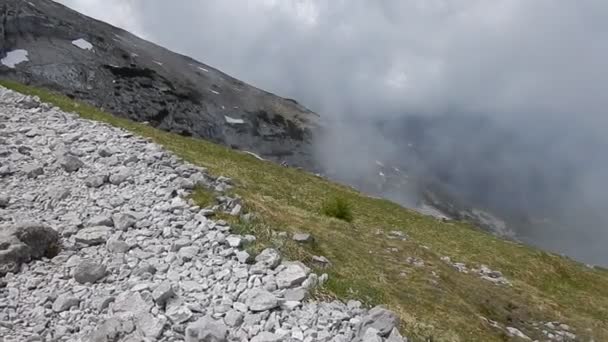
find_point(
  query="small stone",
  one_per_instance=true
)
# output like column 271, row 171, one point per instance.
column 101, row 220
column 65, row 302
column 177, row 312
column 293, row 275
column 243, row 256
column 234, row 241
column 266, row 336
column 269, row 257
column 70, row 163
column 163, row 292
column 207, row 329
column 93, row 235
column 96, row 181
column 124, row 221
column 120, row 176
column 395, row 336
column 516, row 332
column 380, row 319
column 297, row 294
column 89, row 272
column 33, row 170
column 117, row 246
column 150, row 326
column 261, row 300
column 302, row 237
column 233, row 318
column 4, row 201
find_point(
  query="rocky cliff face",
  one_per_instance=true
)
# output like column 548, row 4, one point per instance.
column 45, row 43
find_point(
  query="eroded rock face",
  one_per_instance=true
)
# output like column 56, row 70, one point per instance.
column 24, row 242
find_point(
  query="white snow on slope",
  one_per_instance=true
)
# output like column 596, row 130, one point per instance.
column 83, row 44
column 215, row 92
column 15, row 57
column 159, row 63
column 254, row 155
column 233, row 120
column 205, row 70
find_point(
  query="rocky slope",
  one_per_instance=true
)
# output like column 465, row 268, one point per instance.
column 121, row 254
column 45, row 43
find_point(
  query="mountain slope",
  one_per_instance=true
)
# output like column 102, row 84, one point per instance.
column 45, row 43
column 397, row 257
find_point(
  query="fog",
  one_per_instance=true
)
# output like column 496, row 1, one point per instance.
column 503, row 101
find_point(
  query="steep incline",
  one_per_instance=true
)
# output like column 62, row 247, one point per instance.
column 138, row 260
column 45, row 43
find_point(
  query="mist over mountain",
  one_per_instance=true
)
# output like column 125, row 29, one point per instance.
column 502, row 102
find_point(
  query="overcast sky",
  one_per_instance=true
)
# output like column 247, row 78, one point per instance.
column 536, row 67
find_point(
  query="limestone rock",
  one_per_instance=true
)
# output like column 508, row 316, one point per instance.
column 89, row 272
column 24, row 242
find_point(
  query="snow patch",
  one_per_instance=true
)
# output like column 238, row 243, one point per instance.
column 205, row 70
column 31, row 4
column 215, row 92
column 15, row 57
column 254, row 155
column 159, row 63
column 133, row 54
column 83, row 44
column 233, row 120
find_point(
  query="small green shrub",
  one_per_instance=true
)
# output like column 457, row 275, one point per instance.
column 337, row 207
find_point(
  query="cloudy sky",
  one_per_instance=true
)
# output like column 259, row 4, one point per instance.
column 505, row 56
column 537, row 68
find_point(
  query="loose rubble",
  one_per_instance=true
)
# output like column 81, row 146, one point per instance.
column 126, row 257
column 483, row 271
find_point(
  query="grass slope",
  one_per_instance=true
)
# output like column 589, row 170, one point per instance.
column 434, row 300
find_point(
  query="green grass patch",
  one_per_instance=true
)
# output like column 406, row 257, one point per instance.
column 433, row 299
column 337, row 207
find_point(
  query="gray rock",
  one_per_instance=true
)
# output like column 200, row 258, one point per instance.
column 395, row 336
column 261, row 300
column 89, row 272
column 243, row 256
column 70, row 163
column 266, row 336
column 24, row 242
column 297, row 294
column 302, row 237
column 121, row 175
column 124, row 221
column 131, row 303
column 371, row 335
column 293, row 275
column 207, row 329
column 111, row 330
column 93, row 235
column 233, row 318
column 96, row 181
column 269, row 257
column 380, row 319
column 65, row 302
column 4, row 201
column 117, row 246
column 101, row 220
column 234, row 241
column 150, row 326
column 177, row 311
column 33, row 170
column 163, row 292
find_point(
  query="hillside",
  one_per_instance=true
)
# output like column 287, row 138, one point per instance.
column 447, row 280
column 45, row 43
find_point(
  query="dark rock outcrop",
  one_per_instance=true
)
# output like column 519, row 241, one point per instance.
column 25, row 242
